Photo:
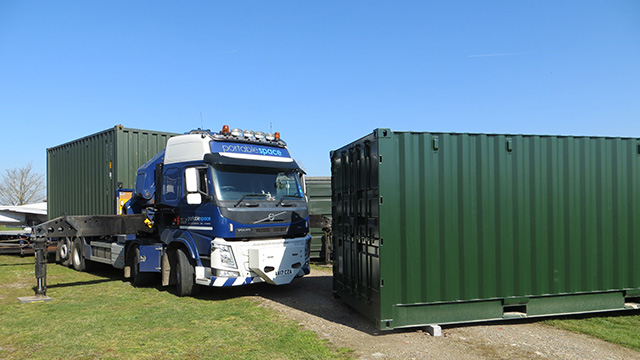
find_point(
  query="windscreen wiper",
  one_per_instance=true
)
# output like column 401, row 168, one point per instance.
column 249, row 195
column 287, row 196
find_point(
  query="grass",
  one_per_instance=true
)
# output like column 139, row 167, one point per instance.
column 321, row 266
column 5, row 228
column 99, row 315
column 102, row 316
column 622, row 330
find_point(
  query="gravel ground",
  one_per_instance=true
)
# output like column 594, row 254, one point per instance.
column 309, row 302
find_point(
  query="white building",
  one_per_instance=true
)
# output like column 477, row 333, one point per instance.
column 23, row 215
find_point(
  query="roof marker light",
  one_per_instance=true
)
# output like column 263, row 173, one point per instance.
column 277, row 135
column 249, row 134
column 236, row 132
column 225, row 129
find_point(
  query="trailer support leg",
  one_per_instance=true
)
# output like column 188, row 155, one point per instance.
column 40, row 247
column 41, row 268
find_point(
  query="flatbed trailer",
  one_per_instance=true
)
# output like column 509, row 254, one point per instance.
column 13, row 241
column 72, row 232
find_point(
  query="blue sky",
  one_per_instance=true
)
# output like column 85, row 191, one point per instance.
column 323, row 73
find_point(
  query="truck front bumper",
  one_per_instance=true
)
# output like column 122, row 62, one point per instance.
column 274, row 261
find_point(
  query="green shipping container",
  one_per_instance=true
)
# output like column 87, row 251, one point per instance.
column 84, row 175
column 439, row 228
column 319, row 196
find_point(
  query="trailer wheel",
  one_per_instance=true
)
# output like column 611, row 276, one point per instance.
column 138, row 278
column 185, row 275
column 77, row 258
column 64, row 251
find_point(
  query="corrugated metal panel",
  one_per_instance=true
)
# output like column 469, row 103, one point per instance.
column 494, row 220
column 83, row 175
column 319, row 195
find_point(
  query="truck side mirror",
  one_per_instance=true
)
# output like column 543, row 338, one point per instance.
column 303, row 182
column 192, row 184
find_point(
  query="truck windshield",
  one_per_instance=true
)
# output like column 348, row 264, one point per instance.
column 231, row 184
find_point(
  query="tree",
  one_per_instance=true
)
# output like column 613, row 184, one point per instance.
column 21, row 186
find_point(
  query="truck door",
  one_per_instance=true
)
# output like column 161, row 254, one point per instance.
column 197, row 209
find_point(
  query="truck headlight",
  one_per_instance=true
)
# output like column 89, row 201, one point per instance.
column 226, row 255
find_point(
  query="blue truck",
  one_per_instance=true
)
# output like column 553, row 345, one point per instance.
column 216, row 209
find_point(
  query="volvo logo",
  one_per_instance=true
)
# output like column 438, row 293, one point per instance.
column 270, row 217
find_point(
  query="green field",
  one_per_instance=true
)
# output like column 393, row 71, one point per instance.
column 3, row 228
column 102, row 316
column 623, row 330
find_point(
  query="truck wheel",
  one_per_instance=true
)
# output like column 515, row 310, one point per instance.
column 138, row 278
column 185, row 276
column 77, row 258
column 64, row 251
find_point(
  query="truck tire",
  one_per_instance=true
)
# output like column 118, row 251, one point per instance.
column 185, row 275
column 64, row 251
column 138, row 278
column 77, row 256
